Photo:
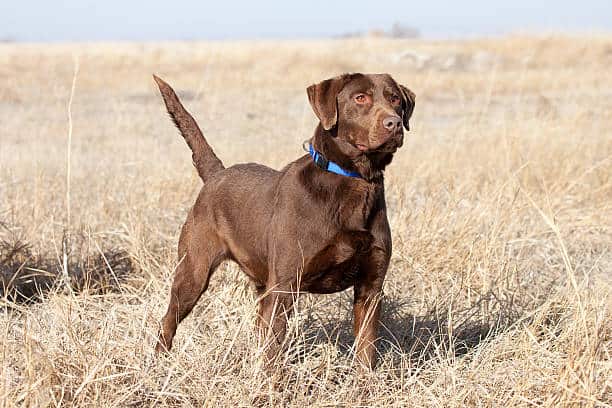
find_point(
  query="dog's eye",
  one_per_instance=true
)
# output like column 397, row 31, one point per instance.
column 361, row 98
column 394, row 99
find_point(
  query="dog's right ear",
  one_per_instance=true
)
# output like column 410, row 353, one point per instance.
column 408, row 98
column 323, row 99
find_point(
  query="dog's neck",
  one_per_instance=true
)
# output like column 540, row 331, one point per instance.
column 369, row 165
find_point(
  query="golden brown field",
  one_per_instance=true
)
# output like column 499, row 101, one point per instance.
column 500, row 204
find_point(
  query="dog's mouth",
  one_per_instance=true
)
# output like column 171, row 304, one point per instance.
column 388, row 146
column 362, row 147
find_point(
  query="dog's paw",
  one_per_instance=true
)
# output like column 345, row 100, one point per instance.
column 163, row 346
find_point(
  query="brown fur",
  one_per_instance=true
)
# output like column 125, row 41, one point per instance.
column 300, row 229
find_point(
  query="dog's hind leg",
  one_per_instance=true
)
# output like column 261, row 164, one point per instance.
column 190, row 281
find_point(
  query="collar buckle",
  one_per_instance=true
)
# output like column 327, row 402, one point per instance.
column 321, row 162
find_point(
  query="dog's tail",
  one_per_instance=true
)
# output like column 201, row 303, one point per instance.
column 205, row 160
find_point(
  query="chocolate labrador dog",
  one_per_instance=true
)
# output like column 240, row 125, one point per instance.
column 319, row 225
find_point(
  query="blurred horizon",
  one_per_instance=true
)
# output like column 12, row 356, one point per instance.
column 113, row 20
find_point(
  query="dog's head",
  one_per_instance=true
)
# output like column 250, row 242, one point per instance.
column 366, row 111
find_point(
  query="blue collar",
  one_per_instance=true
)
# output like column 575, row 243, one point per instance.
column 330, row 166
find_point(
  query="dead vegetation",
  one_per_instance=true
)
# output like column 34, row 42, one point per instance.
column 500, row 204
column 27, row 275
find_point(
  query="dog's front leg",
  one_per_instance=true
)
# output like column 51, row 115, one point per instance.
column 368, row 290
column 367, row 306
column 274, row 310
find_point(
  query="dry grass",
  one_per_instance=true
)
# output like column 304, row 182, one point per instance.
column 500, row 201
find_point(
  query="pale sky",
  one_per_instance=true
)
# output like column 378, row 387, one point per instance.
column 88, row 20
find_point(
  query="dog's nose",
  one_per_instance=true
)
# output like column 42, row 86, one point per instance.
column 392, row 123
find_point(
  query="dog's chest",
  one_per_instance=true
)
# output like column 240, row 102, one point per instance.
column 343, row 238
column 355, row 205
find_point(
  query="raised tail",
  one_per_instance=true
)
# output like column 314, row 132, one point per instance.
column 205, row 160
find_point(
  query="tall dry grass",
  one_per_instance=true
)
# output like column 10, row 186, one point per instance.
column 500, row 202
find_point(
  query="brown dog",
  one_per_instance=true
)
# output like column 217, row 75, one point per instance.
column 319, row 225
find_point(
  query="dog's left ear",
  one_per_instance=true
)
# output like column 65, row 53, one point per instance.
column 407, row 104
column 323, row 99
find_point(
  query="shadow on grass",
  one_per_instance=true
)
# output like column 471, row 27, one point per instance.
column 437, row 334
column 26, row 276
